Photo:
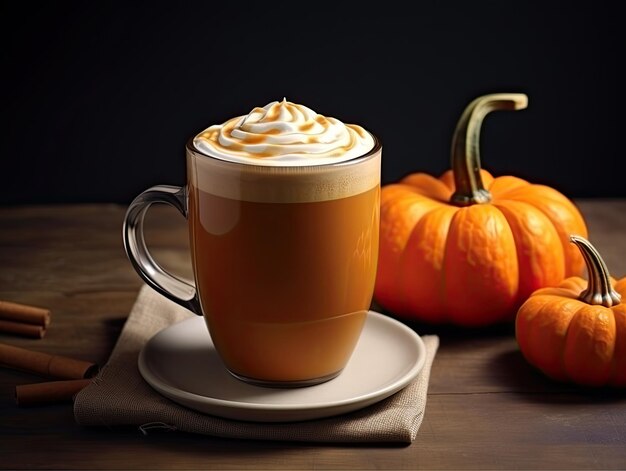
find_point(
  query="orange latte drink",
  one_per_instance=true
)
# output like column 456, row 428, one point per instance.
column 283, row 210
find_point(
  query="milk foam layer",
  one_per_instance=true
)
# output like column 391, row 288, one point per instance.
column 281, row 184
column 284, row 134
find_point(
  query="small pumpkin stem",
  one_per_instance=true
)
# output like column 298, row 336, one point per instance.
column 599, row 290
column 468, row 183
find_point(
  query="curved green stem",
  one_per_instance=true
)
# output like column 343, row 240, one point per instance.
column 469, row 187
column 599, row 290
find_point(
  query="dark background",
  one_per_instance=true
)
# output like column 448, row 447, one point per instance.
column 99, row 98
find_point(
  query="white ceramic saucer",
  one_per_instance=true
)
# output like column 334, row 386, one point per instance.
column 181, row 363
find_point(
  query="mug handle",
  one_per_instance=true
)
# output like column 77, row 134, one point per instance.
column 152, row 273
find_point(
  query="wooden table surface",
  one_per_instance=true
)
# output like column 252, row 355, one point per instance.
column 487, row 408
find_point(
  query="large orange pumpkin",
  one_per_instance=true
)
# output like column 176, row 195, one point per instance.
column 468, row 248
column 577, row 332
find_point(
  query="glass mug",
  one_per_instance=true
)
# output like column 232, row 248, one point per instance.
column 284, row 260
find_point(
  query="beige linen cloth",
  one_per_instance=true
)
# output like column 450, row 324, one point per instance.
column 120, row 396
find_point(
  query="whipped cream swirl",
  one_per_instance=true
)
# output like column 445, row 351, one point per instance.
column 284, row 134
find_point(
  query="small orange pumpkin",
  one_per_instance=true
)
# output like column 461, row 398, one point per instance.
column 575, row 332
column 468, row 248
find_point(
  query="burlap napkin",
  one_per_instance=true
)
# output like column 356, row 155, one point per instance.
column 120, row 396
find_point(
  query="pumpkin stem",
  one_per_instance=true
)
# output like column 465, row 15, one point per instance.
column 599, row 290
column 468, row 183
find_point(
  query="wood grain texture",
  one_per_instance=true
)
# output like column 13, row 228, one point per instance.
column 487, row 408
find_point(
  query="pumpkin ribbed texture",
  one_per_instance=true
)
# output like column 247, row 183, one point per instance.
column 468, row 248
column 573, row 340
column 472, row 265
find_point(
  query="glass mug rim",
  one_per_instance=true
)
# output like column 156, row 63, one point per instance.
column 193, row 150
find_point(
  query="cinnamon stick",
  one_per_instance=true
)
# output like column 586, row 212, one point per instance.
column 55, row 366
column 48, row 392
column 23, row 329
column 24, row 313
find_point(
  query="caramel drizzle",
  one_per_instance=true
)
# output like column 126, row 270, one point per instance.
column 272, row 115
